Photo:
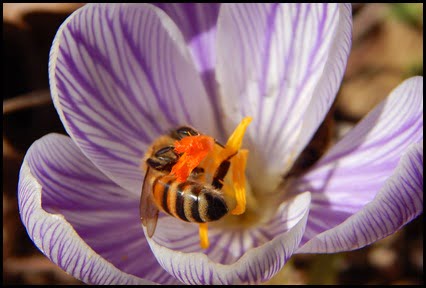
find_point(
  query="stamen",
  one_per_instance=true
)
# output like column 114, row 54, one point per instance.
column 239, row 165
column 239, row 179
column 204, row 237
column 236, row 139
column 194, row 149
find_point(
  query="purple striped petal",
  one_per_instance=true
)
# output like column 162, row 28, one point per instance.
column 251, row 255
column 277, row 63
column 399, row 201
column 356, row 168
column 121, row 75
column 197, row 22
column 81, row 220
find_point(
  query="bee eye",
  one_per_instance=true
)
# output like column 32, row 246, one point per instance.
column 163, row 151
column 184, row 132
column 155, row 164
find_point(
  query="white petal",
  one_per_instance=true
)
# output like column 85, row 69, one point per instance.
column 281, row 64
column 198, row 22
column 120, row 76
column 356, row 168
column 399, row 201
column 81, row 220
column 249, row 256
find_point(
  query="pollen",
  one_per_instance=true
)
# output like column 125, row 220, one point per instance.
column 193, row 149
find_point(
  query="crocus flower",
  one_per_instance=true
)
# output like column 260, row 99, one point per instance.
column 122, row 75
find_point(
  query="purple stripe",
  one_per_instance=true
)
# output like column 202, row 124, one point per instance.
column 83, row 265
column 284, row 78
column 394, row 203
column 170, row 82
column 184, row 238
column 235, row 23
column 70, row 100
column 114, row 70
column 80, row 134
column 73, row 172
column 339, row 174
column 315, row 227
column 101, row 60
column 265, row 58
column 288, row 62
column 209, row 80
column 149, row 117
column 191, row 13
column 244, row 17
column 371, row 226
column 47, row 180
column 144, row 46
column 162, row 45
column 70, row 202
column 374, row 143
column 385, row 211
column 184, row 106
column 160, row 63
column 75, row 107
column 270, row 29
column 183, row 247
column 408, row 197
column 143, row 64
column 308, row 72
column 242, row 249
column 211, row 12
column 131, row 94
column 56, row 239
column 378, row 225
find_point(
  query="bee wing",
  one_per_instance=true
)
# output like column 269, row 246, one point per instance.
column 148, row 209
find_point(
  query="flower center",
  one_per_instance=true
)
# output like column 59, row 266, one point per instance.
column 223, row 166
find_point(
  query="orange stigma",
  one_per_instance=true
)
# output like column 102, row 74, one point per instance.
column 194, row 149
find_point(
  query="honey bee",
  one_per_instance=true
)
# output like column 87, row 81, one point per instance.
column 198, row 199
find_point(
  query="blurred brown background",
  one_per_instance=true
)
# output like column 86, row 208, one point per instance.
column 387, row 48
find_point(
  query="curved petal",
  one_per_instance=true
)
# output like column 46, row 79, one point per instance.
column 355, row 169
column 399, row 201
column 276, row 63
column 247, row 255
column 81, row 220
column 197, row 22
column 120, row 76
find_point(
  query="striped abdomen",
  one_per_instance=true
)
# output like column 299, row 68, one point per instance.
column 189, row 201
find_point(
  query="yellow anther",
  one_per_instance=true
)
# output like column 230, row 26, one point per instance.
column 239, row 165
column 236, row 139
column 239, row 178
column 204, row 237
column 237, row 187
